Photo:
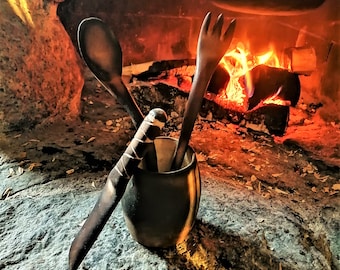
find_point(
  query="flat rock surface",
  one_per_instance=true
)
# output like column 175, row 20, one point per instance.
column 267, row 203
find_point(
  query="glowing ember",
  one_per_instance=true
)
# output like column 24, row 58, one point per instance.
column 275, row 99
column 238, row 63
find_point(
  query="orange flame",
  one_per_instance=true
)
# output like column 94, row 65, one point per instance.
column 275, row 99
column 236, row 64
column 240, row 88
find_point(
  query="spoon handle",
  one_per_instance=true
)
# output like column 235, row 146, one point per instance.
column 115, row 187
column 124, row 97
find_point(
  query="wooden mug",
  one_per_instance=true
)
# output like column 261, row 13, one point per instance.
column 160, row 208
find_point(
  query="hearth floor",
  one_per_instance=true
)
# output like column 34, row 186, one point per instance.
column 267, row 203
column 236, row 228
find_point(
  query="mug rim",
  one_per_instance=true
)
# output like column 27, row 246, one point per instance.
column 189, row 166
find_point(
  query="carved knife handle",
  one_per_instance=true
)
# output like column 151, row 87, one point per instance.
column 115, row 186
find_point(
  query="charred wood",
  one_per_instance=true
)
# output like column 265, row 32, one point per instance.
column 169, row 89
column 159, row 68
column 272, row 119
column 267, row 81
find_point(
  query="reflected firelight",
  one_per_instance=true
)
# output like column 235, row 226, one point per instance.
column 21, row 9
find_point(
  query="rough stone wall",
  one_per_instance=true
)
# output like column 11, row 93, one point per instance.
column 40, row 70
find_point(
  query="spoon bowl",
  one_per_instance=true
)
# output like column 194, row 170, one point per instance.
column 100, row 49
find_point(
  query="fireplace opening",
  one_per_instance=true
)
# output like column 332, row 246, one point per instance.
column 242, row 84
column 267, row 135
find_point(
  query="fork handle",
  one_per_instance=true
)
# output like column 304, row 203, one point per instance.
column 198, row 88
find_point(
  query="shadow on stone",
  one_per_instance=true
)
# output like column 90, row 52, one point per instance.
column 209, row 246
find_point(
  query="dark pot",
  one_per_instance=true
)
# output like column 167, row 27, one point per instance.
column 160, row 208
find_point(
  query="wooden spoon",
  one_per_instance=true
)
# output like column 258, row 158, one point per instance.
column 211, row 47
column 102, row 53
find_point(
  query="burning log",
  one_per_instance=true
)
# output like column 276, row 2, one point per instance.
column 147, row 71
column 269, row 81
column 219, row 80
column 266, row 103
column 270, row 119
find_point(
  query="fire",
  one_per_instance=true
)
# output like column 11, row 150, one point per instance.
column 240, row 88
column 275, row 99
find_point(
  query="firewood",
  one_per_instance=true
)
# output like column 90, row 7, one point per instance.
column 219, row 80
column 300, row 60
column 146, row 71
column 271, row 119
column 134, row 69
column 267, row 81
